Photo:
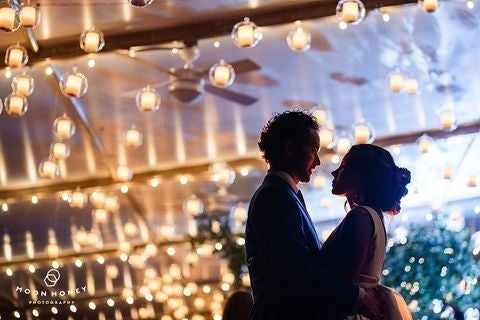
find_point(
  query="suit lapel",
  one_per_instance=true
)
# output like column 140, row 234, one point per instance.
column 279, row 181
column 306, row 216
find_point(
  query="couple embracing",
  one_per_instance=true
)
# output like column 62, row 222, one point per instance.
column 294, row 276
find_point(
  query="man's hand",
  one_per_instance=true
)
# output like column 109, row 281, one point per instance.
column 371, row 307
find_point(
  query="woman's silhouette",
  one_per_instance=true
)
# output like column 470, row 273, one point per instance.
column 373, row 184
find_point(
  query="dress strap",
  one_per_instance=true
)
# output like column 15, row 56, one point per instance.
column 380, row 238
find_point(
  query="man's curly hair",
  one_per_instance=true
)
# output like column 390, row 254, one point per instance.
column 286, row 126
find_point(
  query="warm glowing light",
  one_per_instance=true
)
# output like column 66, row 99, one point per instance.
column 429, row 5
column 133, row 137
column 183, row 179
column 63, row 127
column 92, row 40
column 245, row 34
column 124, row 188
column 73, row 84
column 16, row 56
column 147, row 99
column 193, row 206
column 123, row 173
column 8, row 18
column 30, row 16
column 221, row 74
column 396, row 81
column 298, row 39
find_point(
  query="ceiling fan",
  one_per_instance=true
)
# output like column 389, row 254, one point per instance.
column 188, row 84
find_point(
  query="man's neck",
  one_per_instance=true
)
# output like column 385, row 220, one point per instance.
column 286, row 176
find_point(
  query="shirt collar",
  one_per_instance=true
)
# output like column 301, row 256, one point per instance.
column 285, row 176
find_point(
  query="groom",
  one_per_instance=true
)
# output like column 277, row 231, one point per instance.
column 281, row 241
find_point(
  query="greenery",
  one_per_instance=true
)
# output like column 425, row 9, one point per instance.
column 215, row 229
column 432, row 267
column 435, row 271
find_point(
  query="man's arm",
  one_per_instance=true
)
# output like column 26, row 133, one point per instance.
column 277, row 223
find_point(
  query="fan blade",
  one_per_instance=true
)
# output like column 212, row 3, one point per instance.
column 466, row 18
column 256, row 79
column 240, row 66
column 340, row 77
column 231, row 95
column 320, row 42
column 289, row 103
column 244, row 65
column 133, row 93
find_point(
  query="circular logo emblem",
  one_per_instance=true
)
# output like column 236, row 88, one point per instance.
column 52, row 277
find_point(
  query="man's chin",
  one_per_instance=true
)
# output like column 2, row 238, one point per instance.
column 305, row 179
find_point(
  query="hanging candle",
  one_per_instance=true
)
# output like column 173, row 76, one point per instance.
column 429, row 5
column 123, row 173
column 320, row 113
column 424, row 143
column 16, row 56
column 100, row 215
column 130, row 229
column 221, row 74
column 396, row 81
column 77, row 199
column 10, row 19
column 343, row 145
column 15, row 105
column 411, row 86
column 97, row 198
column 298, row 39
column 245, row 34
column 472, row 179
column 23, row 85
column 59, row 150
column 148, row 99
column 140, row 3
column 327, row 136
column 29, row 247
column 193, row 206
column 448, row 119
column 111, row 203
column 73, row 84
column 350, row 11
column 7, row 247
column 133, row 138
column 63, row 127
column 92, row 40
column 53, row 250
column 48, row 169
column 30, row 16
column 363, row 132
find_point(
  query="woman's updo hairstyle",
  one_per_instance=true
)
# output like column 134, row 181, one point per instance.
column 382, row 183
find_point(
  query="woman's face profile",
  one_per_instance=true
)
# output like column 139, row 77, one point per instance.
column 344, row 178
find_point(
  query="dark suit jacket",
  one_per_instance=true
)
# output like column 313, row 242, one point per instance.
column 287, row 280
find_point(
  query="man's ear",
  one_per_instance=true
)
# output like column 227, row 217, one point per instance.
column 289, row 149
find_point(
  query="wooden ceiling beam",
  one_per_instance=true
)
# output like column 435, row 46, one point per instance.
column 204, row 25
column 202, row 168
column 411, row 137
